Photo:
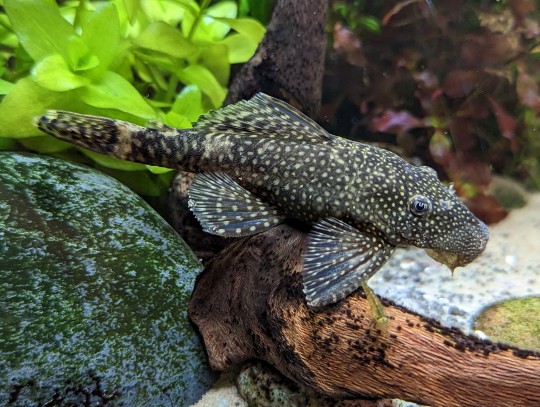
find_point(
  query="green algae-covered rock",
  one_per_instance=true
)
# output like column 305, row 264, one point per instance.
column 94, row 288
column 515, row 322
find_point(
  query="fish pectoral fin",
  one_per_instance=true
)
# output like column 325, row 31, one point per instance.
column 338, row 258
column 263, row 115
column 227, row 209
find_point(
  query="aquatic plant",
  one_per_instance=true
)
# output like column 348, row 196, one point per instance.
column 137, row 60
column 452, row 83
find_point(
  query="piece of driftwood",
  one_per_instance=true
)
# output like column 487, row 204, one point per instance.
column 289, row 62
column 248, row 304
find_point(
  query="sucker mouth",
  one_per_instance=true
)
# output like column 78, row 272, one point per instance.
column 451, row 259
column 472, row 247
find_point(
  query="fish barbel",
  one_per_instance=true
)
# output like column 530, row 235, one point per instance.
column 261, row 161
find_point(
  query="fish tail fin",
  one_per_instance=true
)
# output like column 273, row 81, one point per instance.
column 121, row 139
column 99, row 134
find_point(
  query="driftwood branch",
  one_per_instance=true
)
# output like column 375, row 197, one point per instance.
column 248, row 304
column 289, row 62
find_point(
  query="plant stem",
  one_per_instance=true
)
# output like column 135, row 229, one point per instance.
column 204, row 6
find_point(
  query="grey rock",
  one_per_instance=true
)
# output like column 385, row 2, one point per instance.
column 94, row 288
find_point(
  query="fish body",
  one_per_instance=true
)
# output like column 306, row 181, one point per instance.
column 261, row 161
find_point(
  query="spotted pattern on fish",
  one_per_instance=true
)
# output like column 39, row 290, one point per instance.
column 262, row 161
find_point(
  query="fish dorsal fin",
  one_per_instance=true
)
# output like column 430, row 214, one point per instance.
column 338, row 258
column 227, row 209
column 265, row 116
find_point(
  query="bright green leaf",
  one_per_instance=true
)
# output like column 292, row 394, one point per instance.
column 159, row 104
column 142, row 70
column 209, row 29
column 79, row 56
column 240, row 48
column 243, row 45
column 203, row 78
column 248, row 27
column 132, row 8
column 45, row 144
column 157, row 59
column 53, row 73
column 177, row 120
column 188, row 103
column 157, row 77
column 23, row 103
column 157, row 170
column 40, row 28
column 5, row 87
column 115, row 92
column 370, row 23
column 101, row 33
column 166, row 39
column 216, row 59
column 224, row 9
column 112, row 162
column 170, row 12
column 188, row 5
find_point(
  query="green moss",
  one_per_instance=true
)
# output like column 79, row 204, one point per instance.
column 515, row 322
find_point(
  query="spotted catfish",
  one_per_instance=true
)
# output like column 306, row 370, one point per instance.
column 261, row 161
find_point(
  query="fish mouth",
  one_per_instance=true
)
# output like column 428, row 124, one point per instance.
column 452, row 260
column 471, row 248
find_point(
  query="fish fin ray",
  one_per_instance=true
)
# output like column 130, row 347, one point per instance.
column 227, row 209
column 263, row 115
column 338, row 258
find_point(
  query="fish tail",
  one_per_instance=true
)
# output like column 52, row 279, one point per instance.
column 165, row 147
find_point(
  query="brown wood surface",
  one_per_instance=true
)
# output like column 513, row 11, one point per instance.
column 289, row 62
column 248, row 304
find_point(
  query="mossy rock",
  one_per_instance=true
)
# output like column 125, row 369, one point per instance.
column 94, row 287
column 514, row 322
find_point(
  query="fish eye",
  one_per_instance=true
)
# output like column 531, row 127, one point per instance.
column 420, row 205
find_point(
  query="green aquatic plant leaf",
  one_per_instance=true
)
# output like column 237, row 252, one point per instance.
column 6, row 143
column 104, row 23
column 171, row 12
column 40, row 27
column 45, row 144
column 216, row 59
column 53, row 73
column 164, row 60
column 26, row 100
column 158, row 170
column 205, row 27
column 177, row 120
column 131, row 8
column 206, row 81
column 5, row 87
column 112, row 162
column 163, row 38
column 188, row 103
column 112, row 91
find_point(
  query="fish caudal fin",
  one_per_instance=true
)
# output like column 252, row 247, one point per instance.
column 227, row 209
column 338, row 258
column 121, row 139
column 95, row 133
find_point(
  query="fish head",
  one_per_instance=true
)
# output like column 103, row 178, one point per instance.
column 416, row 208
